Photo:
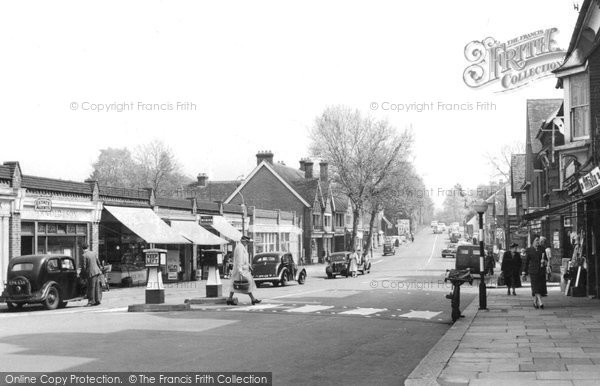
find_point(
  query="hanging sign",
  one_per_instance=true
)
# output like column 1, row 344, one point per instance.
column 590, row 181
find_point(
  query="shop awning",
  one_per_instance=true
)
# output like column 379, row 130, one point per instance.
column 226, row 230
column 558, row 209
column 147, row 225
column 198, row 235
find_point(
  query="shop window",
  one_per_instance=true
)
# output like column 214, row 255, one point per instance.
column 41, row 228
column 51, row 228
column 81, row 229
column 71, row 229
column 27, row 228
column 61, row 228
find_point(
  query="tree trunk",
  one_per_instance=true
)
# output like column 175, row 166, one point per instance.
column 371, row 223
column 355, row 218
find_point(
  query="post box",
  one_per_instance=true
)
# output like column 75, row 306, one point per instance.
column 155, row 259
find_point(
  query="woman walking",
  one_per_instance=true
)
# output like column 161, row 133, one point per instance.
column 511, row 269
column 535, row 267
column 241, row 278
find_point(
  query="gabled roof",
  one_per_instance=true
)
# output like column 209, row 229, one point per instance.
column 287, row 182
column 517, row 173
column 308, row 189
column 581, row 44
column 5, row 173
column 538, row 110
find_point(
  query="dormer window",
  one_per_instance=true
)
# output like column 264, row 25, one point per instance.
column 579, row 88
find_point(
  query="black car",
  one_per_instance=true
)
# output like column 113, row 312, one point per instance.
column 51, row 280
column 278, row 268
column 388, row 248
column 338, row 264
column 449, row 251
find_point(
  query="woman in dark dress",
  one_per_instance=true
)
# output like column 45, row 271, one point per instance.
column 511, row 268
column 535, row 266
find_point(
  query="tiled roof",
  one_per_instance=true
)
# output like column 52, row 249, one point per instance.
column 288, row 173
column 232, row 208
column 341, row 204
column 5, row 173
column 207, row 206
column 55, row 185
column 517, row 172
column 214, row 190
column 174, row 203
column 538, row 110
column 307, row 189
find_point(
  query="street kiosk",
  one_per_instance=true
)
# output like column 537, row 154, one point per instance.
column 213, row 258
column 155, row 260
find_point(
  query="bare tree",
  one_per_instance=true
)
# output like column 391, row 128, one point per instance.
column 361, row 152
column 500, row 162
column 157, row 162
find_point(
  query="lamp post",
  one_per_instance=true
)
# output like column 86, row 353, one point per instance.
column 480, row 207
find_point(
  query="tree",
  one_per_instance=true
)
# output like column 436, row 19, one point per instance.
column 152, row 165
column 500, row 163
column 115, row 167
column 361, row 152
column 455, row 205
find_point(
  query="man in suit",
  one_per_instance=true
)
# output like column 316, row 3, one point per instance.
column 92, row 271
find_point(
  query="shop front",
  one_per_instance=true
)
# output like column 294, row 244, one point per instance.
column 123, row 235
column 6, row 204
column 56, row 226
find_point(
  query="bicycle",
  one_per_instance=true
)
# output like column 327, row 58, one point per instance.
column 457, row 277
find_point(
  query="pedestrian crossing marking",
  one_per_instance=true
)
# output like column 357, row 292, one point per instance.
column 256, row 307
column 420, row 314
column 309, row 308
column 363, row 311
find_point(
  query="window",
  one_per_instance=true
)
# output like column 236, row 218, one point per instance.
column 317, row 221
column 67, row 264
column 327, row 220
column 266, row 242
column 339, row 220
column 284, row 242
column 580, row 105
column 22, row 267
column 52, row 265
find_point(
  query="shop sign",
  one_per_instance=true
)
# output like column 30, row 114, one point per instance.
column 43, row 205
column 206, row 220
column 590, row 181
column 556, row 240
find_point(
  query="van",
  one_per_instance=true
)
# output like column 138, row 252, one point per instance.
column 467, row 256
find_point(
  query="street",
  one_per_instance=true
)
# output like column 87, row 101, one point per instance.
column 377, row 326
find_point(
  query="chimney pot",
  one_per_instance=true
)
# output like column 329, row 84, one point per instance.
column 266, row 155
column 202, row 178
column 308, row 169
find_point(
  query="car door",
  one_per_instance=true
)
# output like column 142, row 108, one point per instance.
column 69, row 277
column 53, row 273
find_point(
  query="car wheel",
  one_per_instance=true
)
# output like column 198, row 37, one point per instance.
column 302, row 278
column 276, row 284
column 52, row 299
column 14, row 306
column 330, row 276
column 283, row 280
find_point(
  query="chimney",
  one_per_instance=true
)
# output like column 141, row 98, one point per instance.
column 308, row 168
column 202, row 178
column 323, row 172
column 302, row 161
column 266, row 155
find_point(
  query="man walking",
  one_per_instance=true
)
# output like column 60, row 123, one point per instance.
column 92, row 271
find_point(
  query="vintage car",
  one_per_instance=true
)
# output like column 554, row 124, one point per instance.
column 337, row 264
column 454, row 237
column 51, row 280
column 450, row 250
column 278, row 268
column 388, row 249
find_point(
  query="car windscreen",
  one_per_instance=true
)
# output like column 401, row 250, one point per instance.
column 22, row 267
column 266, row 259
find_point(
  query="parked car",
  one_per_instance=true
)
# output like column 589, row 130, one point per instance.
column 338, row 264
column 51, row 280
column 450, row 250
column 467, row 256
column 277, row 268
column 454, row 237
column 389, row 249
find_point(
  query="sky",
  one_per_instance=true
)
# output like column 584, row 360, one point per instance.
column 220, row 81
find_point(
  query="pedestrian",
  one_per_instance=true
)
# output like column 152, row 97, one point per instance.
column 241, row 280
column 353, row 268
column 412, row 237
column 535, row 267
column 546, row 268
column 92, row 271
column 511, row 269
column 490, row 263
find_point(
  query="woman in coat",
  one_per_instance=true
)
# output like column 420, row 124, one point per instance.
column 241, row 272
column 353, row 268
column 511, row 269
column 535, row 266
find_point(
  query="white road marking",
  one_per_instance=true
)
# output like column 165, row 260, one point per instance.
column 363, row 311
column 309, row 308
column 432, row 249
column 256, row 307
column 118, row 309
column 421, row 314
column 376, row 262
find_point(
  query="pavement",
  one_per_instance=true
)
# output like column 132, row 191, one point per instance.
column 513, row 343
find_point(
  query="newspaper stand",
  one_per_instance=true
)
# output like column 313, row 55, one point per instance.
column 155, row 259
